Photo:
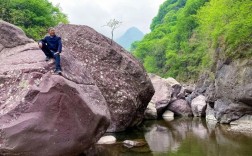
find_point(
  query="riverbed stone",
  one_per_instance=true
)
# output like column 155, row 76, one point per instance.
column 198, row 106
column 107, row 140
column 168, row 115
column 180, row 107
column 164, row 90
column 151, row 111
column 134, row 143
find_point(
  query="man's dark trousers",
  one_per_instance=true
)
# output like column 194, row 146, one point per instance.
column 50, row 54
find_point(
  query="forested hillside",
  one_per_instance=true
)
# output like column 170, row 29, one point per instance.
column 33, row 16
column 187, row 33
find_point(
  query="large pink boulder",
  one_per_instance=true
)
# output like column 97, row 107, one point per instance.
column 42, row 113
column 121, row 79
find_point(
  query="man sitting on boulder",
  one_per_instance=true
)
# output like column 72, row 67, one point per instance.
column 51, row 45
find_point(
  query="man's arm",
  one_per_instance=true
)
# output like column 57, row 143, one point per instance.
column 42, row 41
column 59, row 45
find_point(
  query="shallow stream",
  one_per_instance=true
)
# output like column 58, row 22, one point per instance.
column 180, row 137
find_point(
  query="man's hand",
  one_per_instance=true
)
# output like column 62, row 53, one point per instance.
column 40, row 44
column 57, row 53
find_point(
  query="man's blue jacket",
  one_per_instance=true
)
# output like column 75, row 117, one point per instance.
column 53, row 43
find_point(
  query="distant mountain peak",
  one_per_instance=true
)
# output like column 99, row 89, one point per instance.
column 131, row 35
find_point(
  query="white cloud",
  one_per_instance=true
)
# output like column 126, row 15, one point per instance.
column 96, row 13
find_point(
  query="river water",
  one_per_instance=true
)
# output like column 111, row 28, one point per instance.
column 179, row 137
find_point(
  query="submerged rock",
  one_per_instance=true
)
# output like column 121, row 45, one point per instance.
column 168, row 115
column 134, row 143
column 107, row 140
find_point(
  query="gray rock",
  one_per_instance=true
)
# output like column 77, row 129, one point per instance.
column 164, row 89
column 229, row 91
column 198, row 106
column 12, row 36
column 210, row 115
column 150, row 112
column 180, row 107
column 242, row 125
column 161, row 107
column 233, row 90
column 227, row 111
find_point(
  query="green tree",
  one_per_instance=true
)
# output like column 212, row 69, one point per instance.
column 172, row 30
column 33, row 16
column 227, row 23
column 189, row 36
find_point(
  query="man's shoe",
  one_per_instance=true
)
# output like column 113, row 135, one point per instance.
column 58, row 72
column 47, row 59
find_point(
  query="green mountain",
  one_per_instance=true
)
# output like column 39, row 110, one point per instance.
column 187, row 35
column 131, row 35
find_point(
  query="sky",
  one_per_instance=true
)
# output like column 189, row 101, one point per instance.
column 96, row 13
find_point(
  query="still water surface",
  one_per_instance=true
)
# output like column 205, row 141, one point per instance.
column 180, row 137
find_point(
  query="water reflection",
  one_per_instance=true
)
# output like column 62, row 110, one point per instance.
column 183, row 136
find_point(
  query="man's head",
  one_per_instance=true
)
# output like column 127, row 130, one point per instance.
column 51, row 31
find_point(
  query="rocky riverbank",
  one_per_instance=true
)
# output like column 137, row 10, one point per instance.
column 226, row 100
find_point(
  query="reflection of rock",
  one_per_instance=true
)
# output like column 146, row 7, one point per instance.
column 160, row 139
column 103, row 150
column 118, row 149
column 198, row 106
column 199, row 129
column 180, row 108
column 184, row 136
column 107, row 140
